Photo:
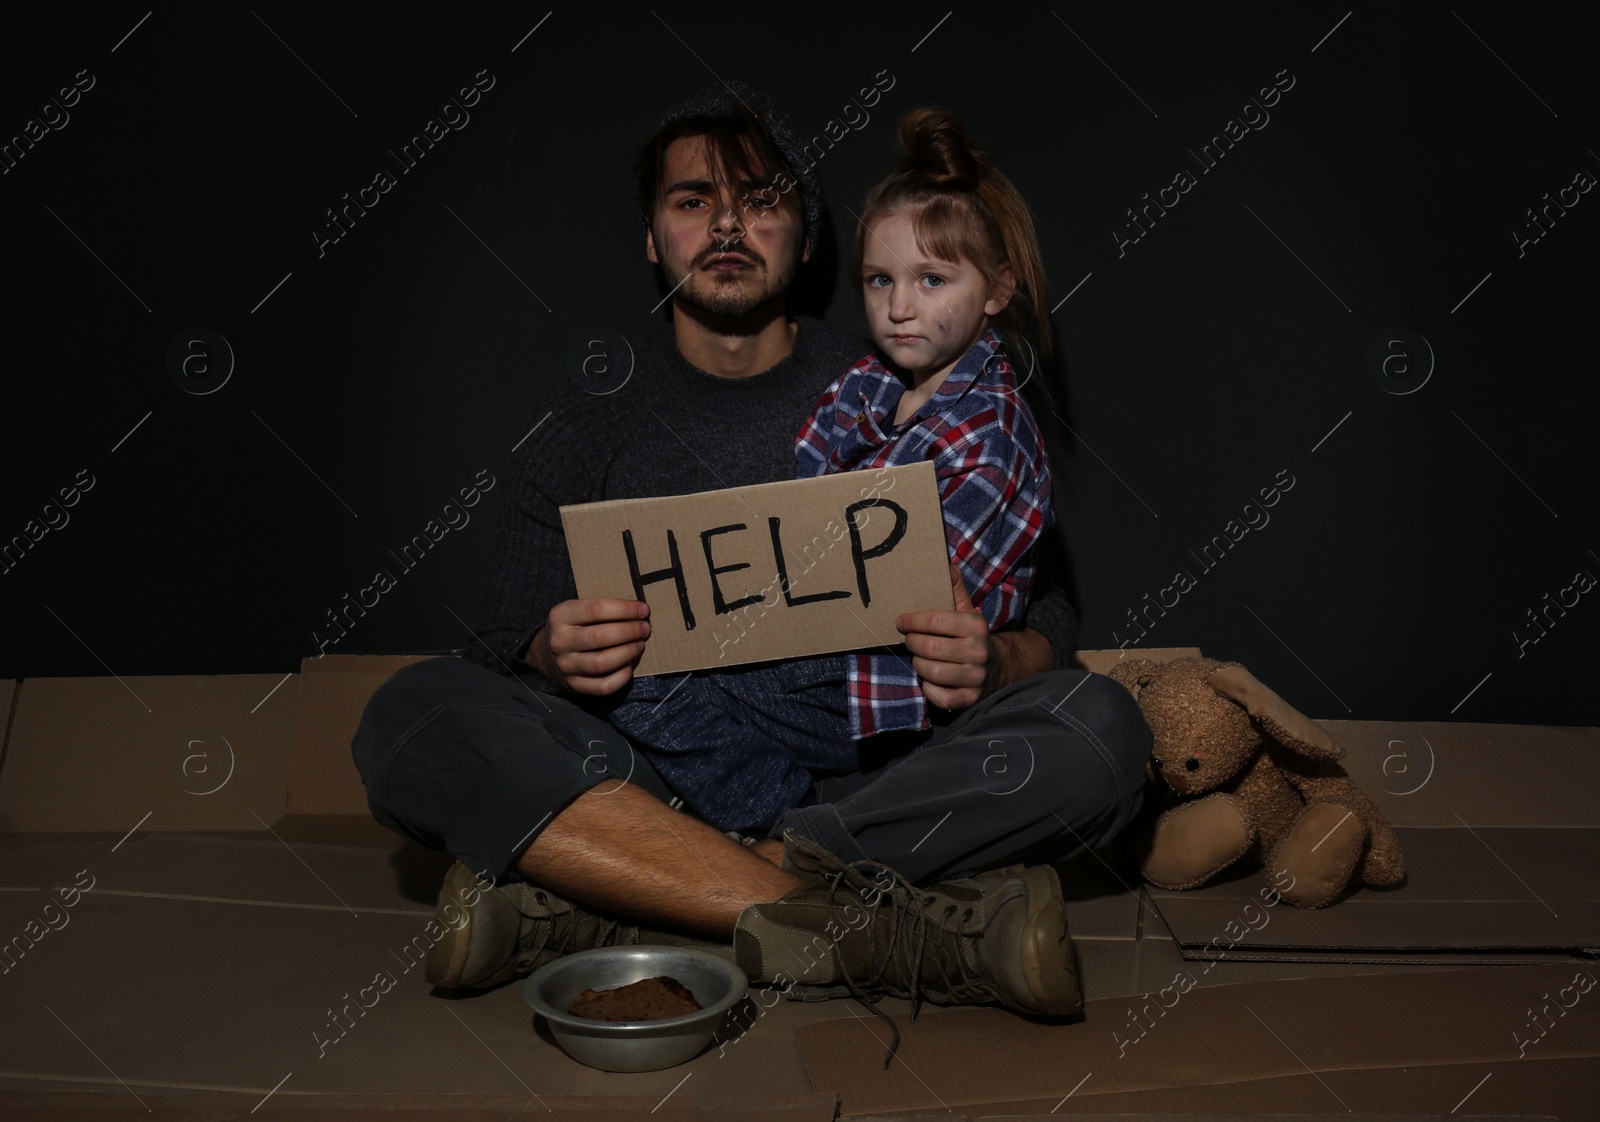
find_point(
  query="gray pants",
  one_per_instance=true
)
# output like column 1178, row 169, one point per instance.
column 460, row 758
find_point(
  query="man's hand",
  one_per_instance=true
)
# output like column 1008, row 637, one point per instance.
column 959, row 660
column 591, row 646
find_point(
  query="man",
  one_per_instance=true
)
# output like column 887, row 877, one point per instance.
column 505, row 759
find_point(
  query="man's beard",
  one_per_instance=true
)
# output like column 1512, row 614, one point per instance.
column 732, row 300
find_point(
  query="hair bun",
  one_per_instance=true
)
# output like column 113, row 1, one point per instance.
column 936, row 147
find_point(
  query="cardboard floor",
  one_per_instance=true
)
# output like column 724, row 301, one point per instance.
column 197, row 972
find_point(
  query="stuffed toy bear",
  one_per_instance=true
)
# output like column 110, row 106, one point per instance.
column 1268, row 784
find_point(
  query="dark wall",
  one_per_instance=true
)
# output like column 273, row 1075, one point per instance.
column 1431, row 491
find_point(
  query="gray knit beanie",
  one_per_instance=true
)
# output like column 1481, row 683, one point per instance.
column 718, row 99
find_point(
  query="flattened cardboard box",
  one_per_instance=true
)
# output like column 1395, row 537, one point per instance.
column 196, row 752
column 334, row 690
column 225, row 963
column 90, row 1106
column 76, row 1106
column 1523, row 805
column 775, row 570
column 1228, row 1042
column 1294, row 1116
column 1563, row 1090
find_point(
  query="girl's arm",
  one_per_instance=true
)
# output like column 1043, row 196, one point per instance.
column 995, row 493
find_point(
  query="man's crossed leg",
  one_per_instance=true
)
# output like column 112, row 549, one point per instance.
column 551, row 805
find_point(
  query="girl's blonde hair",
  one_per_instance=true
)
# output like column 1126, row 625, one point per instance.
column 962, row 208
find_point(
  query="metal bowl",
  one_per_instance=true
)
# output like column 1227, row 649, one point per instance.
column 717, row 984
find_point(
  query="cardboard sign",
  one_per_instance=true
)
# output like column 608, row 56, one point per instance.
column 777, row 570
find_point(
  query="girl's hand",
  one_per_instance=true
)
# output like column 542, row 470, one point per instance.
column 952, row 651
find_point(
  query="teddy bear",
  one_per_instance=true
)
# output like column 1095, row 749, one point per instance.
column 1256, row 779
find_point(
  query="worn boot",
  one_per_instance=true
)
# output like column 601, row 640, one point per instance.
column 862, row 930
column 492, row 935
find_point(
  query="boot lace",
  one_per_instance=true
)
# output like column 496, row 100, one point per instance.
column 906, row 946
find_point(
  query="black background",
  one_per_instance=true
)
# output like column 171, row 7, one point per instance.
column 1229, row 344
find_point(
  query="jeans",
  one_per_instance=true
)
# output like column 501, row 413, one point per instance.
column 461, row 758
column 741, row 746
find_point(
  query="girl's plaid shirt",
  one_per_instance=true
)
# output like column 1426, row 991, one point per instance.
column 994, row 489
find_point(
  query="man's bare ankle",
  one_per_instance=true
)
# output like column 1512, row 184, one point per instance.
column 771, row 849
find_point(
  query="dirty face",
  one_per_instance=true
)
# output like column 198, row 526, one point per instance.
column 924, row 313
column 724, row 249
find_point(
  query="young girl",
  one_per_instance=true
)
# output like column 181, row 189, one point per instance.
column 945, row 247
